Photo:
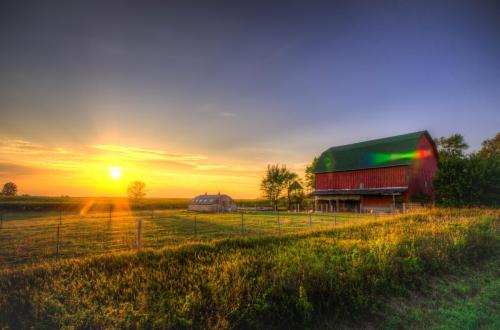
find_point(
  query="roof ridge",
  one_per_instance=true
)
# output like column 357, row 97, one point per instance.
column 375, row 141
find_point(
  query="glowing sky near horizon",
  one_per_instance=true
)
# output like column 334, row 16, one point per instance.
column 195, row 97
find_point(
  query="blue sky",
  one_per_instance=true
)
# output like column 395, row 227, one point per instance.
column 246, row 83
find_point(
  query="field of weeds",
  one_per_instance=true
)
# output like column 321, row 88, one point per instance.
column 292, row 280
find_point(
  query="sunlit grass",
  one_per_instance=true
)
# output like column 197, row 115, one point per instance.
column 82, row 234
column 292, row 279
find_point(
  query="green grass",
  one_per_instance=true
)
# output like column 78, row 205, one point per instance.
column 292, row 280
column 30, row 237
column 467, row 299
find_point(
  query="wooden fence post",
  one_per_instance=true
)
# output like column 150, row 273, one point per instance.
column 1, row 221
column 58, row 240
column 110, row 211
column 310, row 222
column 195, row 229
column 242, row 229
column 279, row 224
column 139, row 235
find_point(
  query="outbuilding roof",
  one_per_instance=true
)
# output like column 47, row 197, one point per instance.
column 209, row 199
column 390, row 151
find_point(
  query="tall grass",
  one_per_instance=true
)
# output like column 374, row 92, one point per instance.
column 280, row 282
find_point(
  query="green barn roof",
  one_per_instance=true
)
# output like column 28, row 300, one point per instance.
column 390, row 151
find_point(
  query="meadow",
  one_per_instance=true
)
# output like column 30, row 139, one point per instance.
column 32, row 237
column 302, row 279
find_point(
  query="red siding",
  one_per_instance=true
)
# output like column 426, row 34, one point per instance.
column 377, row 201
column 371, row 178
column 422, row 170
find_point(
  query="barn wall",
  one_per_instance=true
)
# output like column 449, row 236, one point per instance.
column 371, row 178
column 377, row 201
column 422, row 170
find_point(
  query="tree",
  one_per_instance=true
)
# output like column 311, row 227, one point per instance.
column 453, row 146
column 296, row 193
column 136, row 190
column 490, row 148
column 468, row 180
column 290, row 184
column 273, row 183
column 9, row 189
column 310, row 177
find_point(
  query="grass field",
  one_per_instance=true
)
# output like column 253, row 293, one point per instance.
column 338, row 274
column 30, row 237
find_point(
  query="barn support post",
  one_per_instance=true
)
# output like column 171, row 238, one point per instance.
column 315, row 204
column 139, row 235
column 336, row 204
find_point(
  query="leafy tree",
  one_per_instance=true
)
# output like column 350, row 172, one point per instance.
column 490, row 148
column 136, row 190
column 274, row 182
column 453, row 146
column 296, row 193
column 290, row 184
column 310, row 177
column 9, row 189
column 469, row 180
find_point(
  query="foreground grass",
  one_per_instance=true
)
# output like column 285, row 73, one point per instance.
column 467, row 299
column 281, row 282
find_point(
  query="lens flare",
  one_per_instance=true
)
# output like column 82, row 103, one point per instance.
column 380, row 158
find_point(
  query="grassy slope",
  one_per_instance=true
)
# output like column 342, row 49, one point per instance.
column 468, row 299
column 292, row 280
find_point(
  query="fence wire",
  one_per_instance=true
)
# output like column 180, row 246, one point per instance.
column 37, row 237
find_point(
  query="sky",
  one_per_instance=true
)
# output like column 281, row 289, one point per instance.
column 199, row 96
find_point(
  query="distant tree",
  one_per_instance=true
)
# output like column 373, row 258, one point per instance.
column 291, row 182
column 310, row 177
column 490, row 148
column 453, row 146
column 9, row 189
column 136, row 190
column 274, row 182
column 296, row 193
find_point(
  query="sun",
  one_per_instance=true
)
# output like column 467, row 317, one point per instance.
column 115, row 172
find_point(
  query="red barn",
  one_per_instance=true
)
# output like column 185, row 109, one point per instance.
column 376, row 175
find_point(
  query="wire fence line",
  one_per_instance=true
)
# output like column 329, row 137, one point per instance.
column 38, row 237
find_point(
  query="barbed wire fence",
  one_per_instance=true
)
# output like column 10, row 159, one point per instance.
column 40, row 238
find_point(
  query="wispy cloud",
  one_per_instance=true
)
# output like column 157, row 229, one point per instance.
column 211, row 109
column 146, row 154
column 27, row 147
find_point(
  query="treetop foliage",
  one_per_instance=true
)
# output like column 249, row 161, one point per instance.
column 467, row 179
